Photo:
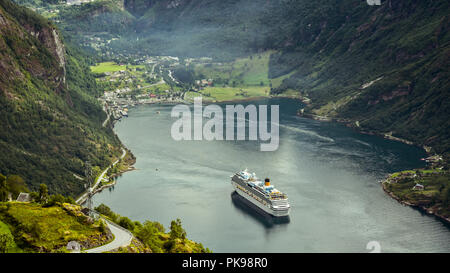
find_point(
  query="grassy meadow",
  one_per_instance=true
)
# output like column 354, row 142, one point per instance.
column 244, row 78
column 45, row 229
column 112, row 67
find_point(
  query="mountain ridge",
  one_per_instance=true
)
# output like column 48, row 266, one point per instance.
column 329, row 52
column 50, row 119
column 333, row 49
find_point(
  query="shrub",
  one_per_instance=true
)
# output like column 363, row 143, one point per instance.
column 16, row 185
column 54, row 200
column 102, row 227
column 6, row 242
column 176, row 230
column 126, row 223
column 105, row 210
column 169, row 245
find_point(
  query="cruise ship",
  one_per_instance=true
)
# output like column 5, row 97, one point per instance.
column 262, row 194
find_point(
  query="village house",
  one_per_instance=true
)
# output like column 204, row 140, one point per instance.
column 23, row 197
column 73, row 246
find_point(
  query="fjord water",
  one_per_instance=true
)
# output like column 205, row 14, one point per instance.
column 330, row 173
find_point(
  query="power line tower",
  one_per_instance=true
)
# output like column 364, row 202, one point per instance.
column 88, row 175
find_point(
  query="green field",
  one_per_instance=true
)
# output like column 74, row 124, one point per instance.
column 47, row 229
column 435, row 194
column 241, row 79
column 229, row 93
column 276, row 82
column 107, row 67
column 430, row 171
column 250, row 71
column 136, row 77
column 4, row 230
column 158, row 88
column 112, row 67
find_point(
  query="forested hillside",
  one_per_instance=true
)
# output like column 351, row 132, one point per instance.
column 383, row 69
column 50, row 121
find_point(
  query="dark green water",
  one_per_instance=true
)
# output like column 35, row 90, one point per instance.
column 330, row 173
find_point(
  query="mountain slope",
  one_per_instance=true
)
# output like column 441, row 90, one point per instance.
column 50, row 122
column 35, row 228
column 98, row 16
column 383, row 69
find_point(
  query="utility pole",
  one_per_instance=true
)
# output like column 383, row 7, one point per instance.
column 88, row 175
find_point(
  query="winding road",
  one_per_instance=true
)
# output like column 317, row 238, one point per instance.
column 83, row 197
column 122, row 238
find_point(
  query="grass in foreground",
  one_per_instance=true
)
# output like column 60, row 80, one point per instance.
column 7, row 243
column 40, row 229
column 152, row 236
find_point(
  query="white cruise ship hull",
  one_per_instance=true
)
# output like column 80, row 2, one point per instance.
column 266, row 208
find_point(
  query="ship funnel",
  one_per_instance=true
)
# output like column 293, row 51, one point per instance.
column 267, row 182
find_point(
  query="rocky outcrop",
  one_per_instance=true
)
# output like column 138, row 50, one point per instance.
column 2, row 21
column 50, row 38
column 30, row 47
column 49, row 115
column 59, row 50
column 401, row 91
column 98, row 240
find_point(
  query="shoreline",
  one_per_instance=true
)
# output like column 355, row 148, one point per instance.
column 96, row 188
column 208, row 102
column 348, row 123
column 428, row 211
column 129, row 169
column 131, row 165
column 431, row 211
column 112, row 184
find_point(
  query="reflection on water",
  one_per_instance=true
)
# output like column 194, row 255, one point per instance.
column 256, row 213
column 329, row 171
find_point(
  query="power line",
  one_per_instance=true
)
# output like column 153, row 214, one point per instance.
column 88, row 175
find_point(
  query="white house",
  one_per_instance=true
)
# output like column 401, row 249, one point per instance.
column 418, row 187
